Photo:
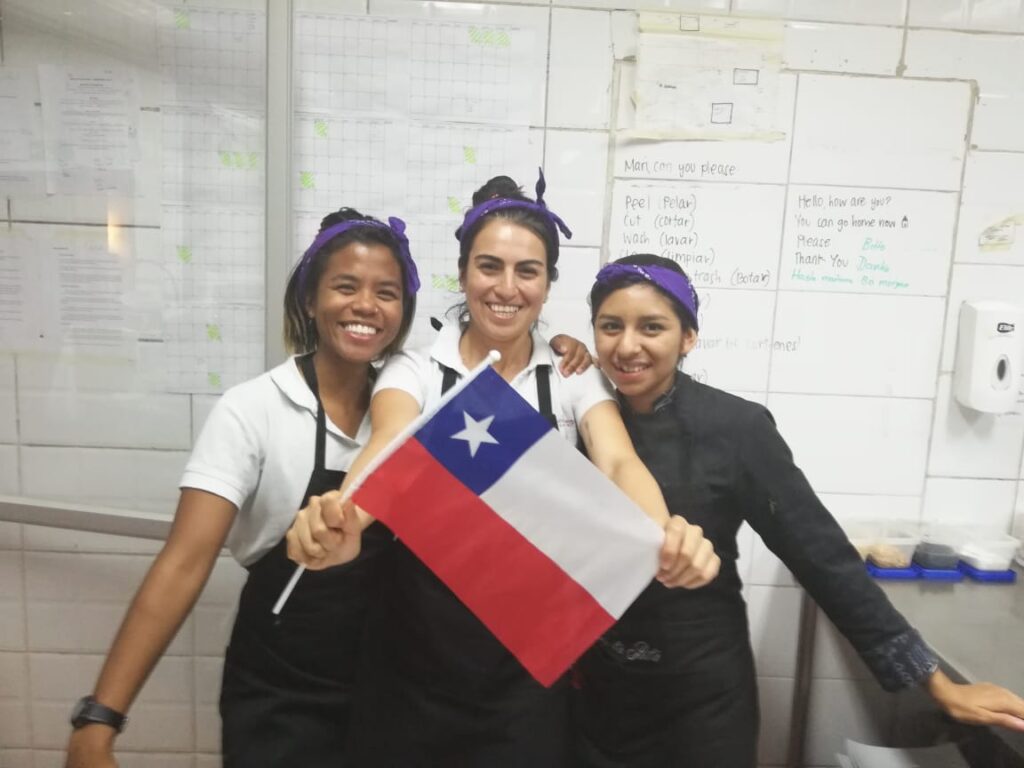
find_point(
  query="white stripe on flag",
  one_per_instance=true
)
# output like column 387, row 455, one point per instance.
column 580, row 519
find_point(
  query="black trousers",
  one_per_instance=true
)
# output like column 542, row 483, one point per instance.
column 668, row 694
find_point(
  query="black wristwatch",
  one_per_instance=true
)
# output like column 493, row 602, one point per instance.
column 88, row 710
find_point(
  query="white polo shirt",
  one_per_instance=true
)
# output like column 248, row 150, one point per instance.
column 420, row 373
column 257, row 451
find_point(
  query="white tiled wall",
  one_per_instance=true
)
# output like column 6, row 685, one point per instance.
column 886, row 132
column 983, row 59
column 865, row 50
column 580, row 69
column 877, row 94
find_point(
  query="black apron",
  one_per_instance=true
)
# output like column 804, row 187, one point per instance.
column 287, row 688
column 437, row 688
column 672, row 684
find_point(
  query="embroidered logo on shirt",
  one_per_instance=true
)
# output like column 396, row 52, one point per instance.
column 641, row 650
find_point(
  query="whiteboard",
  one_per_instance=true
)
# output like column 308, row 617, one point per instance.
column 868, row 240
column 405, row 107
column 723, row 235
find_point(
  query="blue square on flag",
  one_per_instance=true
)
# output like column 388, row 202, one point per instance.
column 482, row 431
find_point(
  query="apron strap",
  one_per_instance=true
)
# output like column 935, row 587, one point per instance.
column 449, row 376
column 309, row 374
column 544, row 394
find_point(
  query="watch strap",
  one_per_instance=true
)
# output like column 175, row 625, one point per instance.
column 88, row 710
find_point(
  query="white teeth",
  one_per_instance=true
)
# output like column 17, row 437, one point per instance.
column 359, row 328
column 633, row 368
column 503, row 309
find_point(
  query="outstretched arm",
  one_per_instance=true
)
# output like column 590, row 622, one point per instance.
column 687, row 559
column 978, row 703
column 783, row 508
column 162, row 603
column 327, row 532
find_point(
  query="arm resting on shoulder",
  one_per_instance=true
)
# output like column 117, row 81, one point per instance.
column 163, row 601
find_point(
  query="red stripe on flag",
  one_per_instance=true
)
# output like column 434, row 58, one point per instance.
column 544, row 617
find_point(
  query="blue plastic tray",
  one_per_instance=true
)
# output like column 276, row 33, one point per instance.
column 1002, row 577
column 901, row 574
column 940, row 574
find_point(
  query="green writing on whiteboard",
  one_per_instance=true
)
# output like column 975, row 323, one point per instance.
column 320, row 128
column 306, row 180
column 469, row 155
column 494, row 38
column 453, row 205
column 184, row 254
column 445, row 282
column 245, row 161
column 213, row 332
column 181, row 19
column 213, row 379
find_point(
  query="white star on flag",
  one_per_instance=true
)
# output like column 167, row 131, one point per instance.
column 475, row 433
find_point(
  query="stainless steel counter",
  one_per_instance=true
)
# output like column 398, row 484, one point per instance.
column 977, row 629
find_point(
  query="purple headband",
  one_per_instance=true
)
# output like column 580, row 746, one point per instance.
column 673, row 283
column 473, row 215
column 395, row 226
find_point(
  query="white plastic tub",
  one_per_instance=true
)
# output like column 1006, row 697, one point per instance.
column 990, row 553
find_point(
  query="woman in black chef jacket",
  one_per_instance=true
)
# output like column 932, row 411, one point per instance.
column 673, row 682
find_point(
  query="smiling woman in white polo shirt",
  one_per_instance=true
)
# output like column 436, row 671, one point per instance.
column 268, row 445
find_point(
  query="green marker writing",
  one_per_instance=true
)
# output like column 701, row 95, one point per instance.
column 185, row 254
column 213, row 332
column 445, row 282
column 306, row 180
column 489, row 37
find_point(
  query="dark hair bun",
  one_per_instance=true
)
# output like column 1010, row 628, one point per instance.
column 340, row 215
column 499, row 186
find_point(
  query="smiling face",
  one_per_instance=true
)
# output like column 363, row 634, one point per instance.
column 357, row 305
column 639, row 341
column 505, row 281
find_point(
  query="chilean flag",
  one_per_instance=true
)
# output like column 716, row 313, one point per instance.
column 542, row 547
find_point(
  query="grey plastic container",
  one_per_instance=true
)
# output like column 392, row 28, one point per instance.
column 934, row 555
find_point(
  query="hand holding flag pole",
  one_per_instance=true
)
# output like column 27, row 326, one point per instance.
column 492, row 357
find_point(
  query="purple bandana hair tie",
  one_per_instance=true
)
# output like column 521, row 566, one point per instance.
column 674, row 284
column 473, row 215
column 395, row 226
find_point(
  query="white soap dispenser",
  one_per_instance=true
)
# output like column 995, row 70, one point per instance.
column 989, row 356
